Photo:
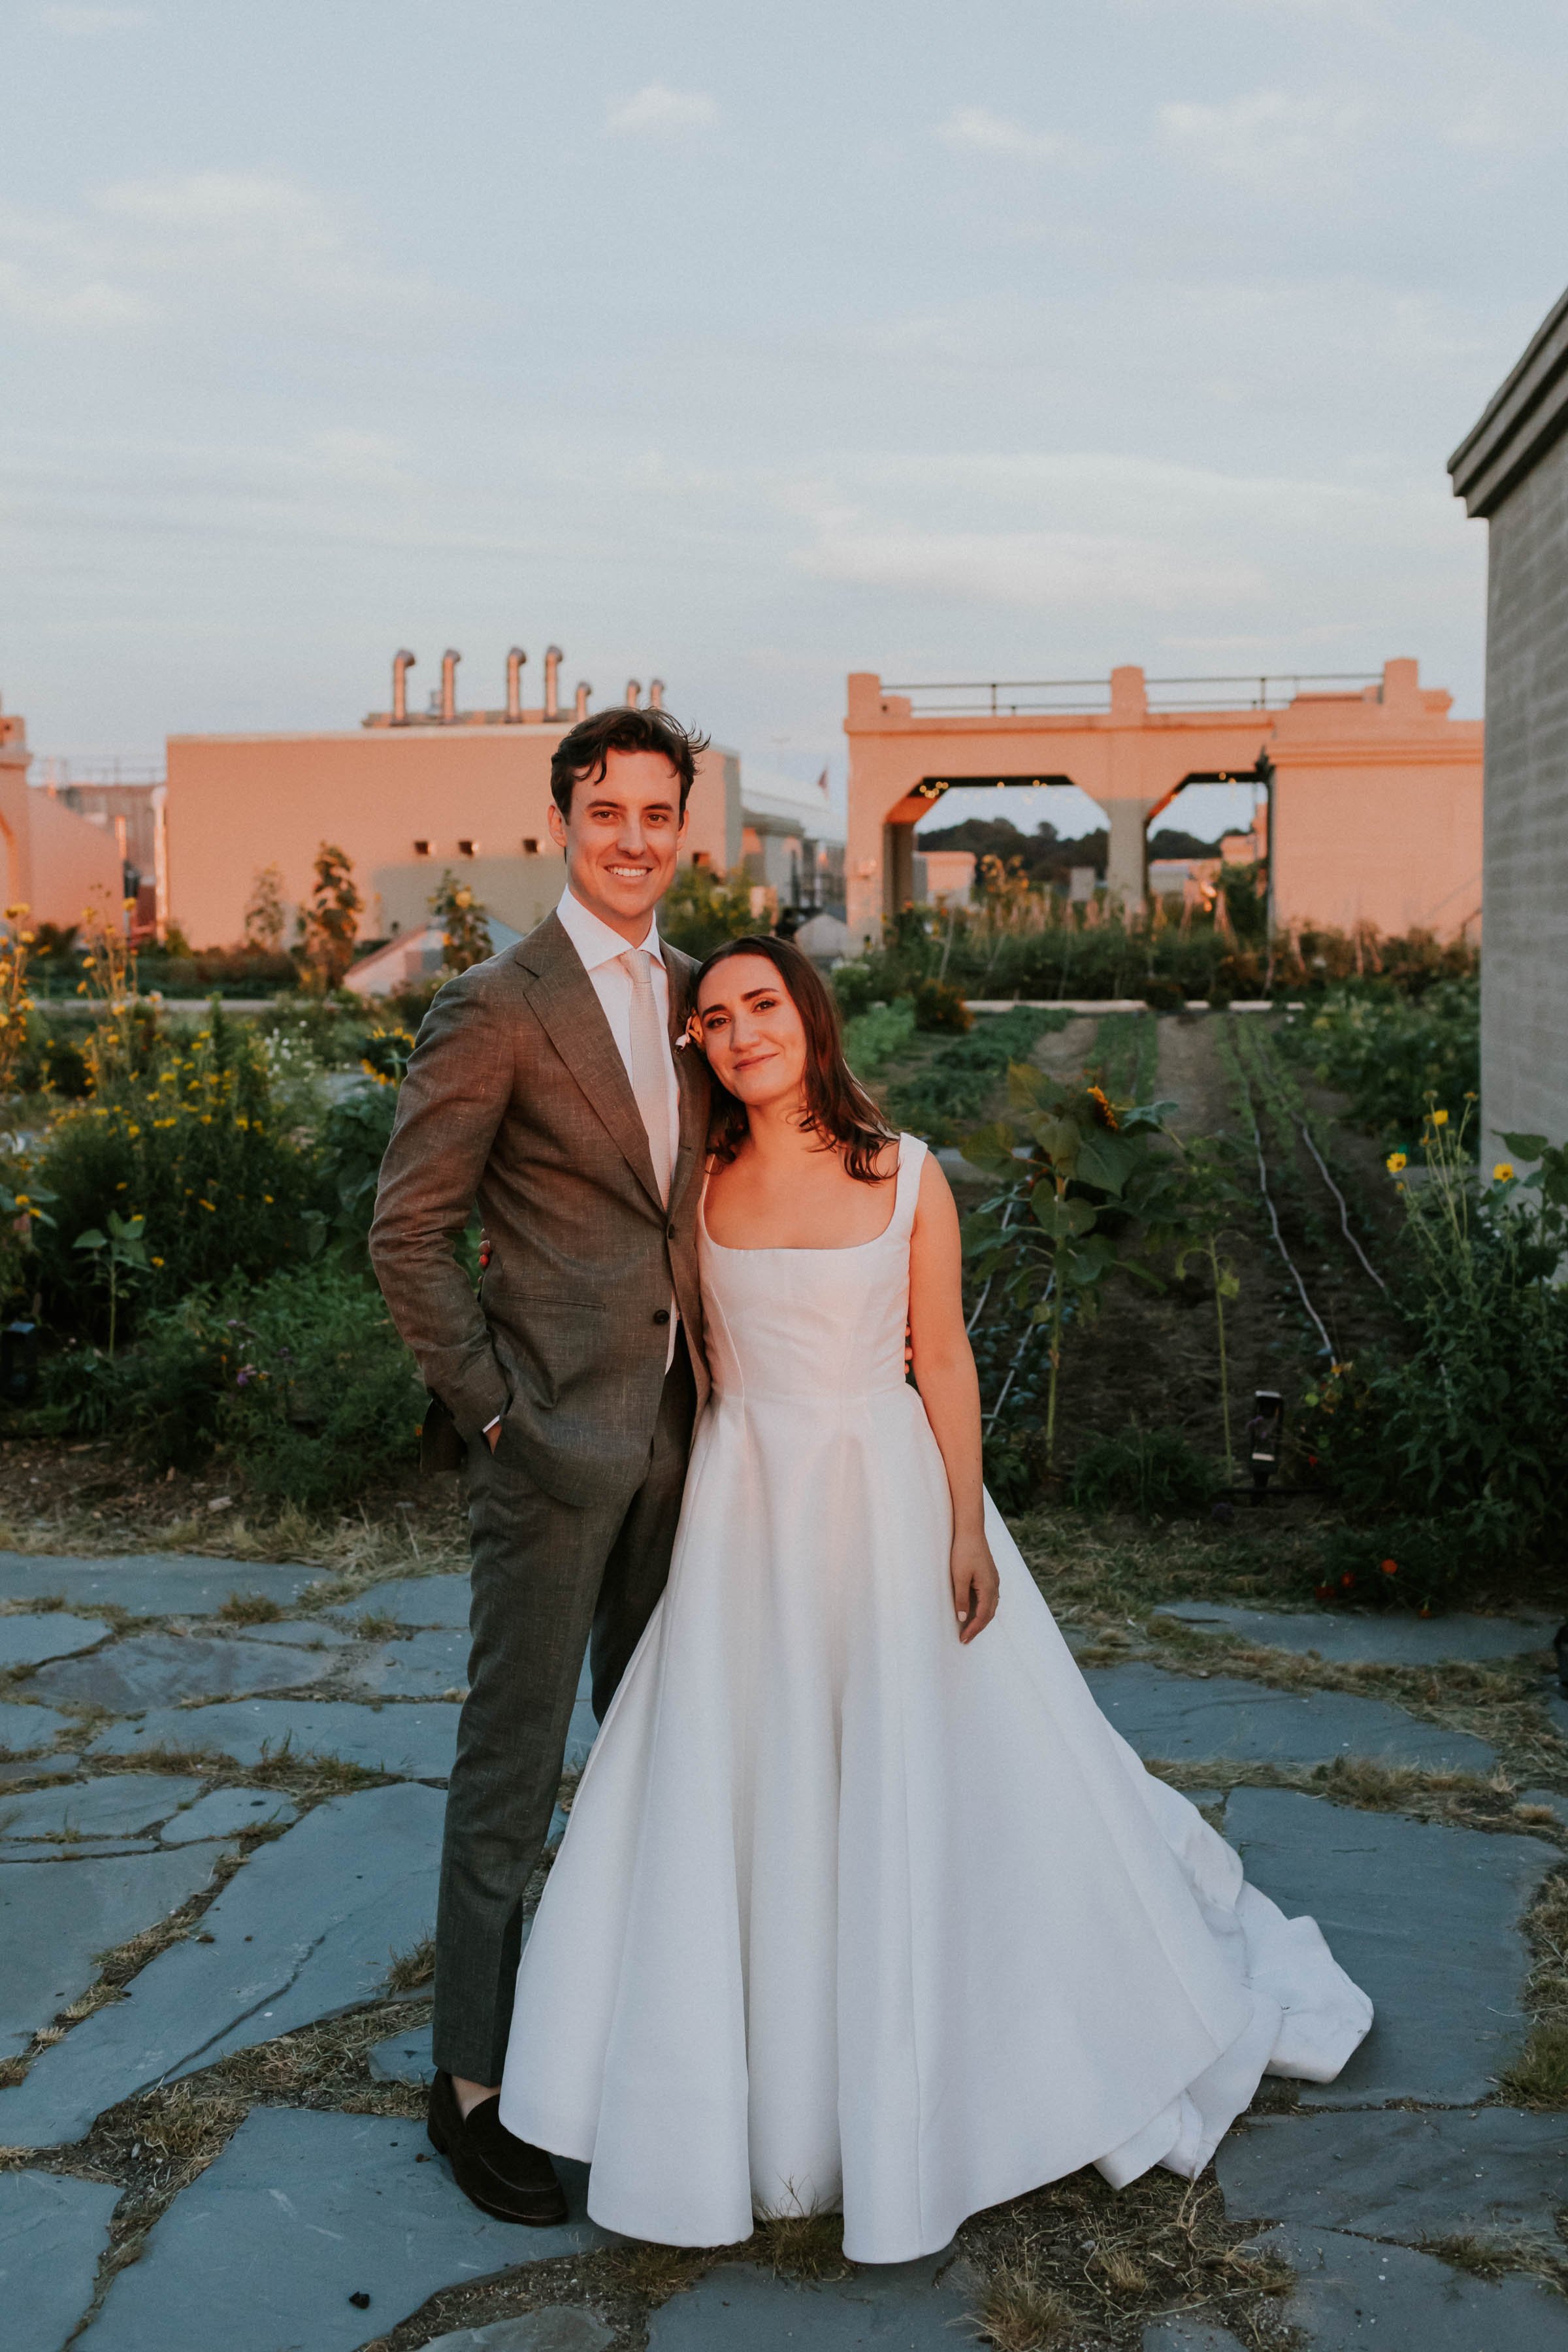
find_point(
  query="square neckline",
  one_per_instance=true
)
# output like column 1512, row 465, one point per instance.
column 811, row 1249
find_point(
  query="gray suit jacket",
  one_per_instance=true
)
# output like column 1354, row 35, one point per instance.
column 517, row 1098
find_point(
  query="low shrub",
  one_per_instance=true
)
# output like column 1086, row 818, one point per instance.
column 940, row 1007
column 1154, row 1471
column 700, row 910
column 942, row 1101
column 879, row 1036
column 1393, row 1054
column 300, row 1381
column 1451, row 1460
column 190, row 1144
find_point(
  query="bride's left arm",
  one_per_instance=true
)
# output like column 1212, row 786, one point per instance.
column 943, row 1365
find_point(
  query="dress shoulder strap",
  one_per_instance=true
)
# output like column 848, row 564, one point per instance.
column 911, row 1159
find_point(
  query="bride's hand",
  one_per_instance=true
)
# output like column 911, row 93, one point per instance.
column 974, row 1585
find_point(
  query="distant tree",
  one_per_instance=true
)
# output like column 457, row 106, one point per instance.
column 329, row 924
column 264, row 918
column 465, row 933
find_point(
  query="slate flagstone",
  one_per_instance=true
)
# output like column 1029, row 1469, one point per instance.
column 25, row 1727
column 1182, row 1716
column 414, row 1741
column 300, row 1633
column 1189, row 2335
column 553, row 2327
column 427, row 1665
column 902, row 2306
column 309, row 2209
column 116, row 1804
column 54, row 1922
column 1386, row 1640
column 226, row 1812
column 150, row 1584
column 1401, row 2173
column 305, row 1929
column 441, row 1600
column 1425, row 1917
column 154, row 1669
column 28, row 1641
column 52, row 2231
column 1354, row 2295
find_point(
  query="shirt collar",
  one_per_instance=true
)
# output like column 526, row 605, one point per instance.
column 594, row 942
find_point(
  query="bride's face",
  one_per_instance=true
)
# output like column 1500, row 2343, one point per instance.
column 752, row 1032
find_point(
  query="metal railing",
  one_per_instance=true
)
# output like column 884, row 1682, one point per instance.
column 51, row 768
column 1008, row 697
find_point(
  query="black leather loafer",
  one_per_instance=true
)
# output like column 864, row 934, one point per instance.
column 495, row 2170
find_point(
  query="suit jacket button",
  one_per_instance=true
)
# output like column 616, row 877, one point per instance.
column 669, row 1232
column 661, row 1314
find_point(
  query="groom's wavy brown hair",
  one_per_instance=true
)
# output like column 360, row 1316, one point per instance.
column 836, row 1104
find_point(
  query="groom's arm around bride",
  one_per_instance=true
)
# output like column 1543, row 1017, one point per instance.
column 545, row 1089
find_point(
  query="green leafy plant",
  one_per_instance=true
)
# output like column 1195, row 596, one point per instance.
column 943, row 1099
column 465, row 932
column 1212, row 1205
column 941, row 1007
column 1391, row 1054
column 118, row 1255
column 1084, row 1197
column 702, row 910
column 329, row 924
column 1155, row 1472
column 1449, row 1458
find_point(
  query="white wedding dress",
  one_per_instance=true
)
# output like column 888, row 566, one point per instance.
column 849, row 1913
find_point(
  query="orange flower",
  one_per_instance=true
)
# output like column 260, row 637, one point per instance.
column 1391, row 1568
column 1104, row 1113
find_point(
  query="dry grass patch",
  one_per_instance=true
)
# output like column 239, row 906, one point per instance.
column 1096, row 2264
column 804, row 2246
column 1019, row 2313
column 653, row 2274
column 411, row 1968
column 1538, row 2076
column 250, row 1609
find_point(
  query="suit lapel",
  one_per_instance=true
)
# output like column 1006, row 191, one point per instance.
column 574, row 1019
column 690, row 1076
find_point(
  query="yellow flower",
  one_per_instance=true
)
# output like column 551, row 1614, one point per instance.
column 1396, row 1162
column 1503, row 1173
column 157, row 1260
column 1439, row 1118
column 206, row 1205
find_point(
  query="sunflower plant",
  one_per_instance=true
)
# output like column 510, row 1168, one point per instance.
column 1085, row 1192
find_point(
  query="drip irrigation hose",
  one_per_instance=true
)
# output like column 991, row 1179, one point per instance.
column 1029, row 1331
column 1278, row 1236
column 1344, row 1212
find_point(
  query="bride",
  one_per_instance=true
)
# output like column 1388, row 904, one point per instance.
column 863, row 1904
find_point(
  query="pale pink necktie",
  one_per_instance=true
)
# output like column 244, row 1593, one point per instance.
column 650, row 1061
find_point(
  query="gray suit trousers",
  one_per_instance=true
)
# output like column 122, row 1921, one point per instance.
column 546, row 1576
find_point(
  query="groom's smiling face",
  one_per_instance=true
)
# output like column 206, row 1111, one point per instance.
column 621, row 838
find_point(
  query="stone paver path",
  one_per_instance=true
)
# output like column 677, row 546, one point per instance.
column 305, row 2213
column 311, row 2212
column 1421, row 1917
column 1179, row 1718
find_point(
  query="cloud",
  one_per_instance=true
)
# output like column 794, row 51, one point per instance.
column 1043, row 569
column 142, row 248
column 87, row 21
column 974, row 130
column 1266, row 135
column 657, row 111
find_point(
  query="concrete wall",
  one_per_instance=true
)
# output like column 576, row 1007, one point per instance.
column 55, row 862
column 1525, row 987
column 1512, row 469
column 239, row 803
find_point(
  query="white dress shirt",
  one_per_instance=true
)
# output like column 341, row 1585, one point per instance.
column 601, row 951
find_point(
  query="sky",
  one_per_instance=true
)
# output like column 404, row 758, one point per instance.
column 748, row 347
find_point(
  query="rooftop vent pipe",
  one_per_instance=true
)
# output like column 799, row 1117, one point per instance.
column 450, row 661
column 584, row 691
column 656, row 694
column 633, row 692
column 553, row 661
column 514, row 662
column 402, row 663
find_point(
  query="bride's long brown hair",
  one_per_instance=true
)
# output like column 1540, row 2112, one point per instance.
column 838, row 1106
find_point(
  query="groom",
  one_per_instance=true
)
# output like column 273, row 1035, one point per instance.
column 544, row 1088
